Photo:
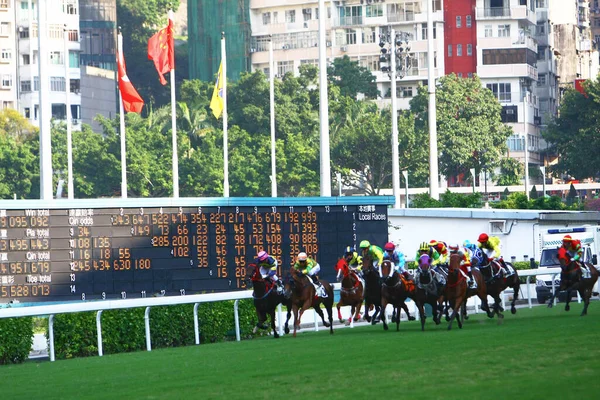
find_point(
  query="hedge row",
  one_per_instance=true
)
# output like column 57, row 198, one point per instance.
column 16, row 338
column 123, row 330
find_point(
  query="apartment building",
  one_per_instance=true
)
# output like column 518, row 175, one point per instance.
column 8, row 65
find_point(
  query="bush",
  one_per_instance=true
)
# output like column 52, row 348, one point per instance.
column 522, row 265
column 16, row 338
column 170, row 326
column 448, row 199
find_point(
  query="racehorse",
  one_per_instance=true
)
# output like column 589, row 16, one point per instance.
column 571, row 278
column 496, row 284
column 479, row 291
column 455, row 291
column 352, row 291
column 372, row 290
column 300, row 290
column 266, row 300
column 394, row 291
column 427, row 291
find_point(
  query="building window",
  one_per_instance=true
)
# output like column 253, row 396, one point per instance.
column 25, row 60
column 283, row 67
column 55, row 31
column 350, row 36
column 5, row 55
column 469, row 49
column 470, row 74
column 75, row 85
column 56, row 58
column 266, row 18
column 57, row 84
column 350, row 15
column 503, row 30
column 424, row 31
column 307, row 14
column 313, row 61
column 509, row 56
column 73, row 59
column 290, row 16
column 369, row 62
column 459, row 50
column 541, row 80
column 316, row 12
column 488, row 31
column 460, row 74
column 26, row 86
column 501, row 91
column 406, row 91
column 458, row 21
column 59, row 111
column 27, row 112
column 469, row 22
column 449, row 50
column 375, row 10
column 24, row 5
column 275, row 17
column 24, row 32
column 4, row 28
column 70, row 7
column 73, row 35
column 36, row 84
column 6, row 81
column 368, row 35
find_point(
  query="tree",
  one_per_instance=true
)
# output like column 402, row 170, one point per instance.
column 19, row 167
column 352, row 78
column 12, row 123
column 511, row 171
column 470, row 131
column 575, row 134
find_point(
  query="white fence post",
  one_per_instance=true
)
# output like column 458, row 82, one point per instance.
column 51, row 336
column 99, row 330
column 236, row 315
column 196, row 328
column 528, row 294
column 279, row 321
column 147, row 323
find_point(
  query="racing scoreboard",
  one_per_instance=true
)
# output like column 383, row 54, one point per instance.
column 132, row 248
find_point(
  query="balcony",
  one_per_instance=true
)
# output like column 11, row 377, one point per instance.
column 508, row 71
column 507, row 42
column 350, row 20
column 400, row 17
column 516, row 12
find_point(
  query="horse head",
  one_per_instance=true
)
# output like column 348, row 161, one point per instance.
column 342, row 268
column 424, row 272
column 454, row 262
column 386, row 268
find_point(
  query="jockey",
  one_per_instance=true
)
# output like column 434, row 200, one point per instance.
column 310, row 267
column 396, row 257
column 573, row 247
column 442, row 250
column 374, row 252
column 465, row 261
column 353, row 259
column 425, row 248
column 268, row 269
column 490, row 246
column 425, row 261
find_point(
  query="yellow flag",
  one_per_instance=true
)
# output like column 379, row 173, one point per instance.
column 216, row 103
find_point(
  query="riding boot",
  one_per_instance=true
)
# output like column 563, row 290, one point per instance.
column 279, row 284
column 471, row 279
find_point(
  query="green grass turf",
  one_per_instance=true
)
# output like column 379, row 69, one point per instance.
column 536, row 354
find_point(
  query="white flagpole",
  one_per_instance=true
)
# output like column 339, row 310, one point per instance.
column 225, row 147
column 324, row 105
column 68, row 106
column 434, row 179
column 45, row 112
column 122, row 130
column 272, row 110
column 174, row 127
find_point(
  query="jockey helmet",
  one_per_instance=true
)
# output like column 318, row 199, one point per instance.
column 424, row 246
column 453, row 248
column 424, row 260
column 262, row 256
column 389, row 246
column 433, row 243
column 302, row 257
column 349, row 250
column 567, row 238
column 483, row 238
column 466, row 243
column 365, row 244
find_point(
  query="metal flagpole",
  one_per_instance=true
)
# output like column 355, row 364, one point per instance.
column 433, row 149
column 45, row 111
column 122, row 130
column 395, row 155
column 526, row 145
column 68, row 112
column 174, row 124
column 225, row 147
column 324, row 105
column 272, row 111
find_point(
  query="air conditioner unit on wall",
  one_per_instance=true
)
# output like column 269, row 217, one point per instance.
column 497, row 226
column 344, row 48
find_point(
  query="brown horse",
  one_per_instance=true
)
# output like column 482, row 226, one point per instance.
column 303, row 296
column 571, row 278
column 372, row 290
column 266, row 300
column 455, row 291
column 480, row 291
column 496, row 284
column 394, row 291
column 352, row 292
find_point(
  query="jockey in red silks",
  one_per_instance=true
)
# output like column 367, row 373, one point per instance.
column 573, row 248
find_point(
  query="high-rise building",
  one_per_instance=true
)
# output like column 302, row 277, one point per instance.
column 8, row 55
column 98, row 27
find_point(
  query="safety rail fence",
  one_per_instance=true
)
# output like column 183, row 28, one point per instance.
column 52, row 309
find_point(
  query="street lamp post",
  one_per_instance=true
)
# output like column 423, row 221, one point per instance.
column 395, row 53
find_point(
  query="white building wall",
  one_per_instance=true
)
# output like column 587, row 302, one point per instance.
column 8, row 70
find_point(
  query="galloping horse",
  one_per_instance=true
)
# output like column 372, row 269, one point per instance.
column 372, row 290
column 571, row 278
column 496, row 285
column 394, row 291
column 352, row 292
column 456, row 289
column 427, row 291
column 266, row 300
column 480, row 291
column 303, row 296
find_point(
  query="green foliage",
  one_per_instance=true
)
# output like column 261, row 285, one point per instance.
column 533, row 193
column 123, row 330
column 592, row 205
column 511, row 171
column 352, row 78
column 448, row 200
column 16, row 338
column 469, row 127
column 518, row 201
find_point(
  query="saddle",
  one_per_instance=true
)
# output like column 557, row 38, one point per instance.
column 408, row 284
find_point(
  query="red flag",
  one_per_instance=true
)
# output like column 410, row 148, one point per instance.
column 132, row 102
column 161, row 50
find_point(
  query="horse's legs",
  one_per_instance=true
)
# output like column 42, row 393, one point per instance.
column 405, row 308
column 357, row 311
column 317, row 308
column 383, row 306
column 422, row 315
column 585, row 293
column 435, row 311
column 367, row 316
column 286, row 328
column 296, row 318
column 398, row 319
column 272, row 315
column 516, row 288
column 455, row 311
column 568, row 300
column 340, row 304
